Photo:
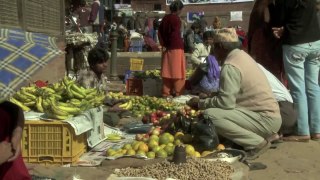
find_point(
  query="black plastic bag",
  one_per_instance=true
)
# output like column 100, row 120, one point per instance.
column 205, row 137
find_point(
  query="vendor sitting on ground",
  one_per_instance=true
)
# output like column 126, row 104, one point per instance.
column 95, row 77
column 244, row 111
column 205, row 79
column 202, row 50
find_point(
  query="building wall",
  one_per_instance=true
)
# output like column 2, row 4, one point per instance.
column 210, row 10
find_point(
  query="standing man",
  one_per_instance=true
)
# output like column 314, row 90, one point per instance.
column 298, row 28
column 97, row 17
column 244, row 110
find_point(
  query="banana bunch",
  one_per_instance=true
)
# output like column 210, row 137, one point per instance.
column 114, row 136
column 127, row 105
column 61, row 99
column 15, row 101
column 25, row 97
column 59, row 110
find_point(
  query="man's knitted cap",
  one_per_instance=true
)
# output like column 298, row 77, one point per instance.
column 225, row 35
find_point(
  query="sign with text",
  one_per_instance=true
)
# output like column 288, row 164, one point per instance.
column 189, row 2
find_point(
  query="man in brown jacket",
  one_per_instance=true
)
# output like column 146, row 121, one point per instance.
column 244, row 110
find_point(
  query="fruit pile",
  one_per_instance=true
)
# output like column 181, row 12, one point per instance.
column 145, row 105
column 60, row 100
column 155, row 145
column 141, row 105
column 155, row 117
column 153, row 74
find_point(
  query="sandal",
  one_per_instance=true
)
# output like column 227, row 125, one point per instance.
column 315, row 137
column 296, row 138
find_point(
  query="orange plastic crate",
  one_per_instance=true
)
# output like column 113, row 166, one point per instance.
column 51, row 143
column 134, row 87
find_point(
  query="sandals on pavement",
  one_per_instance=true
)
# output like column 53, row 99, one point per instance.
column 255, row 153
column 315, row 137
column 296, row 138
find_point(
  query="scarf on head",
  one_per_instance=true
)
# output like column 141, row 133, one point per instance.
column 213, row 68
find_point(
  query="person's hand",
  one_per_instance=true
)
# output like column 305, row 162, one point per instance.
column 5, row 151
column 193, row 103
column 277, row 32
column 16, row 143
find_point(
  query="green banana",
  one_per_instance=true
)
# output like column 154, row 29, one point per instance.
column 77, row 89
column 15, row 101
column 39, row 103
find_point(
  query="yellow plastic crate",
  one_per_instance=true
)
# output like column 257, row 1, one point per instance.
column 51, row 143
column 136, row 64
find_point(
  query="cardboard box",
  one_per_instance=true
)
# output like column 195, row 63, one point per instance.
column 152, row 87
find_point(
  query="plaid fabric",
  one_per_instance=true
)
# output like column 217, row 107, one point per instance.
column 21, row 55
column 89, row 79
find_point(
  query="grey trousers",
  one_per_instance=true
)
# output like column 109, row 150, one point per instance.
column 245, row 128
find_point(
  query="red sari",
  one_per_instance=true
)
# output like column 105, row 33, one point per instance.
column 15, row 170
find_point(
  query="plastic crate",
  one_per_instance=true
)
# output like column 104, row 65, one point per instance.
column 136, row 42
column 134, row 87
column 51, row 143
column 136, row 64
column 135, row 49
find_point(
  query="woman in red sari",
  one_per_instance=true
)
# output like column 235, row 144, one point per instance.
column 262, row 45
column 12, row 166
column 173, row 65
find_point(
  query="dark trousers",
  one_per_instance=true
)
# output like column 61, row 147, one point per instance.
column 289, row 117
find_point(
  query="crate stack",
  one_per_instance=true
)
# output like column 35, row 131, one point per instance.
column 136, row 45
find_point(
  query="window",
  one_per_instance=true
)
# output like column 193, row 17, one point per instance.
column 157, row 7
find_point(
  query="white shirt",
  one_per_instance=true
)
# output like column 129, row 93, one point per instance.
column 280, row 92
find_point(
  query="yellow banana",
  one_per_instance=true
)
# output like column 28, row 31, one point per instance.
column 56, row 110
column 39, row 103
column 124, row 105
column 91, row 90
column 15, row 101
column 29, row 95
column 21, row 97
column 29, row 104
column 77, row 89
column 45, row 104
column 48, row 90
column 70, row 110
column 66, row 81
column 129, row 106
column 77, row 95
column 69, row 92
column 30, row 89
column 75, row 102
column 58, row 117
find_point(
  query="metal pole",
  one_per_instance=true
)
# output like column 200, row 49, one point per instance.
column 113, row 64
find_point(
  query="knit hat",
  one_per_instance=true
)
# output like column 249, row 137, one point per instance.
column 226, row 35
